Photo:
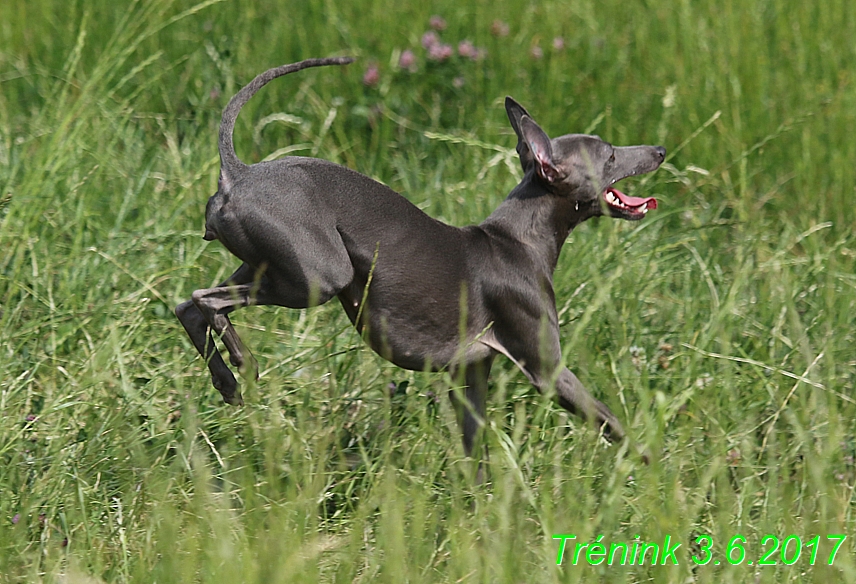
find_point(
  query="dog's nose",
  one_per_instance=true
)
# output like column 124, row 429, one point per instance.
column 661, row 152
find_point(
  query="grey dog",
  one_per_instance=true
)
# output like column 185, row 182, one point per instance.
column 425, row 295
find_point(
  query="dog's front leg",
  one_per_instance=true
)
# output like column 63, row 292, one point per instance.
column 574, row 397
column 540, row 367
column 521, row 336
column 470, row 410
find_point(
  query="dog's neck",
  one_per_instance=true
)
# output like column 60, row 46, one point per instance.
column 541, row 219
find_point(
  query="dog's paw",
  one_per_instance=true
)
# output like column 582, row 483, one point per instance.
column 249, row 367
column 227, row 385
column 234, row 400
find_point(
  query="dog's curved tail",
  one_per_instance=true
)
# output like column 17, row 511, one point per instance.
column 229, row 161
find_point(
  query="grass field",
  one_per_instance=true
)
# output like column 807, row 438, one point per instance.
column 720, row 329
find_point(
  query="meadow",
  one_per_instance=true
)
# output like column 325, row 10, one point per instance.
column 720, row 329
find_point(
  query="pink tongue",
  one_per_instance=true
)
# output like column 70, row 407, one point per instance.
column 649, row 202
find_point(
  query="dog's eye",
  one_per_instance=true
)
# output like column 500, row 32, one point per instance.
column 612, row 156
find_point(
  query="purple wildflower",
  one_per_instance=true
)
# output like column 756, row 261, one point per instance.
column 372, row 76
column 499, row 28
column 558, row 43
column 536, row 52
column 430, row 39
column 440, row 52
column 407, row 60
column 16, row 518
column 467, row 49
column 438, row 23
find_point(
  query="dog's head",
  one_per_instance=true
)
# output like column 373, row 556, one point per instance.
column 582, row 168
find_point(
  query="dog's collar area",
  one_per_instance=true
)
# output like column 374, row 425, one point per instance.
column 626, row 204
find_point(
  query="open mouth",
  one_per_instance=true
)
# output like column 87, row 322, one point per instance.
column 627, row 207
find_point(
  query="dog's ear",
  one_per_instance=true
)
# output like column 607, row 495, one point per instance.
column 515, row 112
column 540, row 149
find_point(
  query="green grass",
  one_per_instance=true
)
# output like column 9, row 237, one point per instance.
column 720, row 329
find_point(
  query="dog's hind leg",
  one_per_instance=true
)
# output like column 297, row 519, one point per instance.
column 243, row 288
column 200, row 316
column 198, row 330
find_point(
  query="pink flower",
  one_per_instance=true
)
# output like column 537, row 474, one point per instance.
column 499, row 28
column 458, row 82
column 407, row 60
column 467, row 49
column 438, row 23
column 440, row 52
column 558, row 43
column 429, row 39
column 536, row 52
column 372, row 76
